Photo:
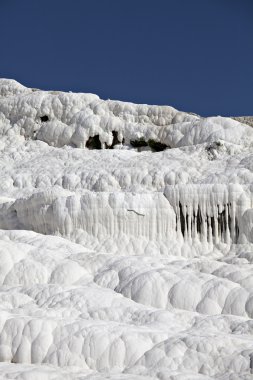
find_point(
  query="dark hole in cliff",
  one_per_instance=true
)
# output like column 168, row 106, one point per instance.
column 138, row 143
column 156, row 146
column 115, row 140
column 44, row 118
column 93, row 142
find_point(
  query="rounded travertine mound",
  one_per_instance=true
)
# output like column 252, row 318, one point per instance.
column 145, row 266
column 85, row 120
column 10, row 87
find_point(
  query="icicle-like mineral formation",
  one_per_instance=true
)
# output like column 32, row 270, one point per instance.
column 211, row 213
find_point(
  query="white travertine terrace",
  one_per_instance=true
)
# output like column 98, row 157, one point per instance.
column 126, row 240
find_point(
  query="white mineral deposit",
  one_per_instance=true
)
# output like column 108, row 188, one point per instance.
column 126, row 241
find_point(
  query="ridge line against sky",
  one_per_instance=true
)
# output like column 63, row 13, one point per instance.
column 194, row 55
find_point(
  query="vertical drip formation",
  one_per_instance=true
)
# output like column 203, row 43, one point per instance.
column 210, row 213
column 205, row 213
column 215, row 226
column 101, row 215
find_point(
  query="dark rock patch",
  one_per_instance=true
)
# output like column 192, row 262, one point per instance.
column 44, row 118
column 93, row 142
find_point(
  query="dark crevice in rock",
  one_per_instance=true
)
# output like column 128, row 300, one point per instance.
column 236, row 231
column 138, row 143
column 93, row 142
column 44, row 118
column 156, row 146
column 199, row 220
column 182, row 219
column 115, row 140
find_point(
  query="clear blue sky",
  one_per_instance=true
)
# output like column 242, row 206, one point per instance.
column 196, row 55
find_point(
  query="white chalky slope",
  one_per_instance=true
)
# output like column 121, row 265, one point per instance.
column 126, row 240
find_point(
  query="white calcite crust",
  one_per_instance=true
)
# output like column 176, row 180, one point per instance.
column 126, row 240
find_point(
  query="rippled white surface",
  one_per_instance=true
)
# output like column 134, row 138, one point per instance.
column 126, row 263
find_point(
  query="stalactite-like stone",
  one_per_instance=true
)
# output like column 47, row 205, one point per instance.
column 210, row 213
